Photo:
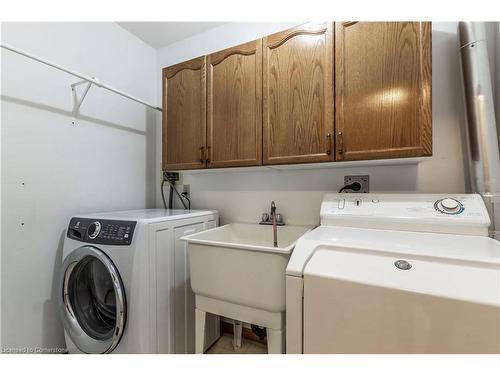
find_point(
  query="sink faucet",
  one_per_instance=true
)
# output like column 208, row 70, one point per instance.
column 275, row 229
column 275, row 219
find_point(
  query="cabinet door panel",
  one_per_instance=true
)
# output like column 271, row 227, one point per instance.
column 298, row 95
column 184, row 117
column 234, row 110
column 383, row 90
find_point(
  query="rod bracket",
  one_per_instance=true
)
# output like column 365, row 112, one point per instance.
column 78, row 99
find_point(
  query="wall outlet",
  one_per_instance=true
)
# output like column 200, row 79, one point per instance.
column 363, row 180
column 185, row 190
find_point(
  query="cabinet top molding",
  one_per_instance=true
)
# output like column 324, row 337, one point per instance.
column 193, row 64
column 243, row 49
column 276, row 40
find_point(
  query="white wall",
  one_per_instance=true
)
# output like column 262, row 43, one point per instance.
column 52, row 170
column 243, row 196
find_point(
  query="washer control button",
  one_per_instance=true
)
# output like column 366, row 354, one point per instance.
column 449, row 206
column 94, row 230
column 341, row 203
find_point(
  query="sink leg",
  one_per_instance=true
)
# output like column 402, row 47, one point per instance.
column 275, row 341
column 237, row 328
column 200, row 320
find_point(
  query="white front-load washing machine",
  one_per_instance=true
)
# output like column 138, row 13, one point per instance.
column 124, row 285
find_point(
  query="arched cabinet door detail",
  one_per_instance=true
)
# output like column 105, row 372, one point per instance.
column 383, row 90
column 298, row 101
column 184, row 115
column 234, row 106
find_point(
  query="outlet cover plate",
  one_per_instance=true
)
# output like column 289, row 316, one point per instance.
column 186, row 189
column 364, row 180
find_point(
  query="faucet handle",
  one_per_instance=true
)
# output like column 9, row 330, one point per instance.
column 279, row 218
column 265, row 217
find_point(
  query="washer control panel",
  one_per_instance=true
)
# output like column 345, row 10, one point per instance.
column 438, row 213
column 101, row 232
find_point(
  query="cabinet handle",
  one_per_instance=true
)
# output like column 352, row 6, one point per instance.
column 340, row 143
column 328, row 144
column 201, row 154
column 208, row 155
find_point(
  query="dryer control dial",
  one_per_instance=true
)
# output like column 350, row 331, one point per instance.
column 94, row 230
column 449, row 206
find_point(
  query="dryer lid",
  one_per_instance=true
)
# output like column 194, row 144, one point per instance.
column 398, row 243
column 455, row 279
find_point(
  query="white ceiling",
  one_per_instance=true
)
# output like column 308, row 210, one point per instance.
column 161, row 34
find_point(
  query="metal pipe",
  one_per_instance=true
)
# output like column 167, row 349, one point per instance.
column 92, row 80
column 484, row 155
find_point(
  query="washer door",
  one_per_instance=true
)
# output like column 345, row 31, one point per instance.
column 92, row 300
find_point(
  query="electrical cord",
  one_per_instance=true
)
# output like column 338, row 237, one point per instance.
column 355, row 186
column 170, row 197
column 184, row 195
column 172, row 188
column 178, row 195
column 163, row 194
column 171, row 178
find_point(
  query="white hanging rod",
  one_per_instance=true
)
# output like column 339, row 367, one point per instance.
column 88, row 79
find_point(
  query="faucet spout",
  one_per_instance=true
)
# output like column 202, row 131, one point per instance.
column 275, row 229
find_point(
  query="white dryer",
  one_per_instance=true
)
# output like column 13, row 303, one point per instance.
column 395, row 273
column 124, row 285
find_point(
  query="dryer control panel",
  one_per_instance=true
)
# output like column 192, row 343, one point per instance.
column 101, row 231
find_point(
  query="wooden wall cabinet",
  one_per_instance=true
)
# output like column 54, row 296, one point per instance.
column 383, row 90
column 273, row 101
column 298, row 95
column 184, row 115
column 234, row 109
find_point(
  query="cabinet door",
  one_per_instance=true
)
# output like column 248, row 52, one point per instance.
column 234, row 110
column 298, row 95
column 383, row 90
column 184, row 119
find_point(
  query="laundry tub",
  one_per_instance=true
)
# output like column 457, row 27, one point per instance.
column 236, row 272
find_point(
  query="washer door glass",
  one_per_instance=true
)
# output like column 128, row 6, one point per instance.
column 92, row 294
column 93, row 300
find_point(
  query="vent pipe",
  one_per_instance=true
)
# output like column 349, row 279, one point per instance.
column 484, row 154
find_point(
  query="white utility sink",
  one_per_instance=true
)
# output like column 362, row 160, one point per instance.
column 237, row 272
column 250, row 237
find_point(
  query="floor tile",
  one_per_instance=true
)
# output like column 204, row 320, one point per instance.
column 225, row 346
